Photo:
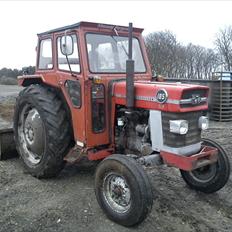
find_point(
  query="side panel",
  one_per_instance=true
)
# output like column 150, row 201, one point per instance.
column 77, row 113
column 156, row 130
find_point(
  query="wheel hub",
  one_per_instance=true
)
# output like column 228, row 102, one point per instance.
column 31, row 132
column 117, row 193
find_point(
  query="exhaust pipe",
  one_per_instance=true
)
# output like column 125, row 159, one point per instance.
column 130, row 74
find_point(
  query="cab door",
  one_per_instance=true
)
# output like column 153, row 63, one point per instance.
column 97, row 108
column 70, row 78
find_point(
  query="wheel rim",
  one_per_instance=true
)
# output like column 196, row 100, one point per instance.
column 117, row 192
column 204, row 174
column 31, row 135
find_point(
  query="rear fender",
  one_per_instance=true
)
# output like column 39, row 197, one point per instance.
column 27, row 80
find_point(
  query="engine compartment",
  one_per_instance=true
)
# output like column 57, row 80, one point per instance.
column 149, row 131
column 132, row 136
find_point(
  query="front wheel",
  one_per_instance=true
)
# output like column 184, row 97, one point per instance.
column 123, row 190
column 212, row 177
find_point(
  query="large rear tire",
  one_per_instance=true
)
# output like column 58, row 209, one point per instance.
column 41, row 130
column 212, row 177
column 123, row 190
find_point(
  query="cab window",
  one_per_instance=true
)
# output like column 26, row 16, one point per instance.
column 108, row 54
column 45, row 54
column 72, row 59
column 98, row 108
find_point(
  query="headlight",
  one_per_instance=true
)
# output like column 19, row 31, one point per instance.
column 179, row 126
column 203, row 123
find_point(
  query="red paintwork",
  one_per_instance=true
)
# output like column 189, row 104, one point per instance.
column 82, row 117
column 189, row 163
column 149, row 89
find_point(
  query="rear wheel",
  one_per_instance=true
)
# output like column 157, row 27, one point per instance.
column 123, row 190
column 212, row 177
column 42, row 131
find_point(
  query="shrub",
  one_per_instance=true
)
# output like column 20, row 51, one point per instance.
column 8, row 81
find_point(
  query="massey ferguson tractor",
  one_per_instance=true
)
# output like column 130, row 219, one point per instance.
column 93, row 97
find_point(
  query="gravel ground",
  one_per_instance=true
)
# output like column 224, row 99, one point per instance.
column 67, row 203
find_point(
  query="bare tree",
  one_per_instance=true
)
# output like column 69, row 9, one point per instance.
column 161, row 48
column 169, row 58
column 224, row 46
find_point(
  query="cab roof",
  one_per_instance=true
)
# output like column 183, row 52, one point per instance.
column 90, row 24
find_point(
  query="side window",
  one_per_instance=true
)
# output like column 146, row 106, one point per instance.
column 98, row 107
column 73, row 59
column 74, row 91
column 45, row 55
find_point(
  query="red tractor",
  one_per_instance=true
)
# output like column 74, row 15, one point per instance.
column 93, row 97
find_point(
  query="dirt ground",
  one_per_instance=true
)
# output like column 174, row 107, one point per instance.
column 67, row 203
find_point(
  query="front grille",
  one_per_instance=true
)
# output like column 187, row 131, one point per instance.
column 190, row 94
column 193, row 135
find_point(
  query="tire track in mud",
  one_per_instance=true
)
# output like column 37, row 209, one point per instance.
column 176, row 212
column 195, row 208
column 196, row 223
column 187, row 216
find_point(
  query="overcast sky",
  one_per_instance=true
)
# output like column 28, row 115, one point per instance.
column 191, row 21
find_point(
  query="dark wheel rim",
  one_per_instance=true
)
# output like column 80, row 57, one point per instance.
column 117, row 192
column 204, row 174
column 31, row 134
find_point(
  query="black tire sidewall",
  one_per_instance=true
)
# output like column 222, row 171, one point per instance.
column 138, row 190
column 49, row 159
column 222, row 172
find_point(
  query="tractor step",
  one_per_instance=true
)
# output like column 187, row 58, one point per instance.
column 7, row 144
column 74, row 155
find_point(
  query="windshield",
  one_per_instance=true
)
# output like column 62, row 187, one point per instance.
column 108, row 54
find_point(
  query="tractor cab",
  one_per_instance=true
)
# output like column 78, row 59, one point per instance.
column 84, row 60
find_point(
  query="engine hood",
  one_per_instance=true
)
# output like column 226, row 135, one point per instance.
column 179, row 97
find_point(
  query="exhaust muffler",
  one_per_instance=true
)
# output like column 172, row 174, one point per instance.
column 130, row 74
